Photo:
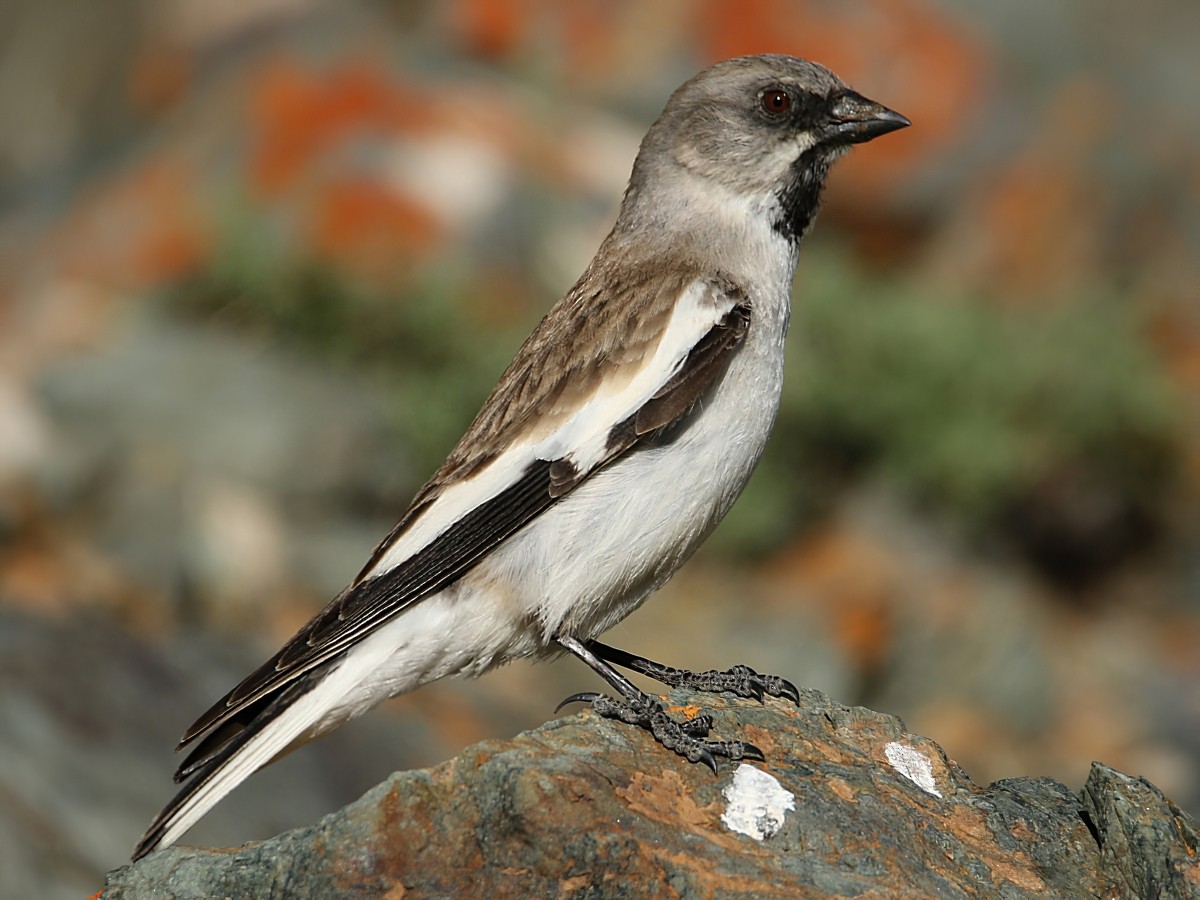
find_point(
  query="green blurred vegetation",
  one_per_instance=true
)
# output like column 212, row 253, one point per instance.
column 957, row 402
column 953, row 401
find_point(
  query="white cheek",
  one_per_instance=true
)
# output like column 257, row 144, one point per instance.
column 788, row 152
column 804, row 142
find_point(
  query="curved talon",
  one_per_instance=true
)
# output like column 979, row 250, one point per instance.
column 755, row 691
column 787, row 691
column 581, row 697
column 704, row 755
column 749, row 751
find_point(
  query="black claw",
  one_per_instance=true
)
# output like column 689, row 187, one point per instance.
column 581, row 697
column 740, row 679
column 749, row 751
column 704, row 755
column 789, row 691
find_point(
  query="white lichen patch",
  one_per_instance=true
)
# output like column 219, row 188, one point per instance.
column 913, row 765
column 757, row 803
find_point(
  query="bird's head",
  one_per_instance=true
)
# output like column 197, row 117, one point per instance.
column 766, row 126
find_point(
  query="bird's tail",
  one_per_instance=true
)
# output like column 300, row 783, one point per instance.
column 234, row 752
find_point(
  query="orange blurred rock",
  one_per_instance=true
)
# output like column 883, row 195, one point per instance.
column 1179, row 643
column 298, row 113
column 586, row 40
column 159, row 79
column 490, row 28
column 360, row 225
column 50, row 571
column 1176, row 336
column 1033, row 227
column 137, row 230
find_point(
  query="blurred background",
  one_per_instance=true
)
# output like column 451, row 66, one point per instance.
column 261, row 261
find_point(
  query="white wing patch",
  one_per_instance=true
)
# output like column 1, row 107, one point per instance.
column 582, row 438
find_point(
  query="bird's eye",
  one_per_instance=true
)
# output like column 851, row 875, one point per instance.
column 776, row 101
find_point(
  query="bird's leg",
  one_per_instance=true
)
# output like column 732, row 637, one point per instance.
column 740, row 680
column 636, row 707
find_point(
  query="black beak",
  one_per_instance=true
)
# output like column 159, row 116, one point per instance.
column 855, row 120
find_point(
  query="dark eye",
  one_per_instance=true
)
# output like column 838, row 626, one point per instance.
column 776, row 101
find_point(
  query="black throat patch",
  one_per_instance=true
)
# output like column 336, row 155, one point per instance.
column 801, row 196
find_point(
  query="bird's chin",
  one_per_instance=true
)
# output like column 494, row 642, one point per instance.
column 834, row 150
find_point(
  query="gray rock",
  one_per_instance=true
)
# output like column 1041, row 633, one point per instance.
column 88, row 716
column 183, row 445
column 583, row 806
column 1147, row 844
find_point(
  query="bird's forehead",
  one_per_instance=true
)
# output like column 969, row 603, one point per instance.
column 743, row 73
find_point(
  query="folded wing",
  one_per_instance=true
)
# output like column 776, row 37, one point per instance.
column 504, row 473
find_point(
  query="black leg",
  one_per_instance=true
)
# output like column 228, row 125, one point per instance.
column 636, row 707
column 740, row 680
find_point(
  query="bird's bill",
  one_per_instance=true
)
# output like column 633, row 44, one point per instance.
column 855, row 120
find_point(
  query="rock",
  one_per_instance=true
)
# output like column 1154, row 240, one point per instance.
column 847, row 803
column 1147, row 844
column 301, row 461
column 88, row 715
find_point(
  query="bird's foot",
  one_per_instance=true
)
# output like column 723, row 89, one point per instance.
column 742, row 681
column 688, row 738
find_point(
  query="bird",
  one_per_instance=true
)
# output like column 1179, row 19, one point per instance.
column 622, row 431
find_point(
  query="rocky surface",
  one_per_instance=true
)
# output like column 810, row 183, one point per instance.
column 854, row 805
